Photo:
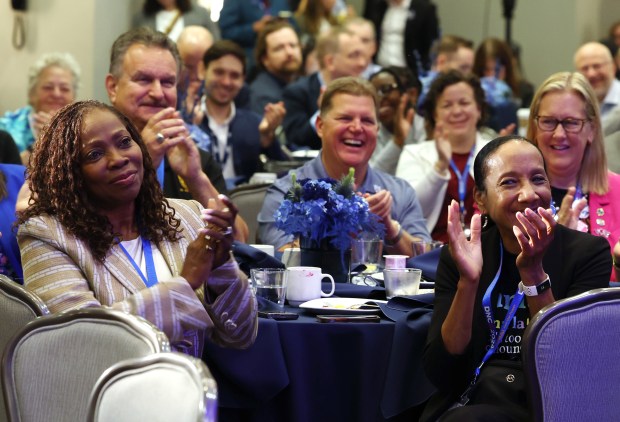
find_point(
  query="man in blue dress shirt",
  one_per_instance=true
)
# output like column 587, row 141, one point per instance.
column 348, row 126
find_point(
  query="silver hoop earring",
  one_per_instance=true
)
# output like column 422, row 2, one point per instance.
column 485, row 220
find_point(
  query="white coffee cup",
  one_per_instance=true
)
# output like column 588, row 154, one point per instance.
column 291, row 257
column 304, row 284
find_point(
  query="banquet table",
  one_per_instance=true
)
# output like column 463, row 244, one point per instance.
column 302, row 370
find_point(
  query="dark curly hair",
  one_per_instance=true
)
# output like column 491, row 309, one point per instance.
column 58, row 188
column 439, row 85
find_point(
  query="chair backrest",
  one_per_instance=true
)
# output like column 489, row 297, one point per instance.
column 249, row 199
column 570, row 358
column 18, row 307
column 164, row 387
column 52, row 364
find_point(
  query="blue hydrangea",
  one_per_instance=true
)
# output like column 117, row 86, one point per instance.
column 313, row 210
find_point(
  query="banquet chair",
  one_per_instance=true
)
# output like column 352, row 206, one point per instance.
column 18, row 307
column 570, row 355
column 52, row 364
column 161, row 387
column 249, row 200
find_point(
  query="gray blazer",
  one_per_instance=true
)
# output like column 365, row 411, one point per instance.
column 60, row 269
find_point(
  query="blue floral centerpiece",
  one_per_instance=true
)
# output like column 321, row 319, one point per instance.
column 325, row 215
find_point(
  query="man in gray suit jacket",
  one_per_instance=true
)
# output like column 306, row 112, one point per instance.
column 142, row 84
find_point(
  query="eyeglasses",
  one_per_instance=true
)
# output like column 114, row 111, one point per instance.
column 387, row 89
column 548, row 124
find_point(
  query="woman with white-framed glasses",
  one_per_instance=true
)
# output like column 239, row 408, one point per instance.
column 565, row 123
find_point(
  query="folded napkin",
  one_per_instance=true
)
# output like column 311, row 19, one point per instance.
column 427, row 263
column 249, row 257
column 356, row 290
column 398, row 307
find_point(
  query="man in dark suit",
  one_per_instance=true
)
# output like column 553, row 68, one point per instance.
column 142, row 84
column 421, row 30
column 238, row 136
column 339, row 53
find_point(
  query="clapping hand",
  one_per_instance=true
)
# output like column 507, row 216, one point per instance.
column 466, row 253
column 39, row 120
column 569, row 214
column 184, row 159
column 167, row 123
column 212, row 247
column 444, row 148
column 380, row 203
column 272, row 118
column 534, row 237
column 219, row 218
column 403, row 120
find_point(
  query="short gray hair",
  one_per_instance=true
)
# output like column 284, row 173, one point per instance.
column 63, row 60
column 140, row 36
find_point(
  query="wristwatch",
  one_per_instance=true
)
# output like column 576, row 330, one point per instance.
column 535, row 290
column 396, row 239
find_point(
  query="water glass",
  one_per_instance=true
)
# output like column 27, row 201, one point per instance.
column 420, row 247
column 366, row 252
column 270, row 284
column 401, row 281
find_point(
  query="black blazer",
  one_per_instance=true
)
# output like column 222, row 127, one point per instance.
column 575, row 262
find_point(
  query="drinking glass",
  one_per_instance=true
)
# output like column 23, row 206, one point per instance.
column 366, row 252
column 270, row 284
column 420, row 247
column 401, row 281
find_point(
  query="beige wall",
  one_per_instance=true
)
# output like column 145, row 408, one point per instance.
column 548, row 31
column 84, row 28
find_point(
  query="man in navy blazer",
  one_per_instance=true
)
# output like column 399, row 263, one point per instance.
column 238, row 136
column 339, row 53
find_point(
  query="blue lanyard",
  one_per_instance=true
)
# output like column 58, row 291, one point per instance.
column 463, row 180
column 151, row 276
column 496, row 336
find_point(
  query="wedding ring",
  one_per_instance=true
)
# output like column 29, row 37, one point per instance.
column 228, row 231
column 160, row 138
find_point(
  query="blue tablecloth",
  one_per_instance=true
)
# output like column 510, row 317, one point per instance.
column 302, row 370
